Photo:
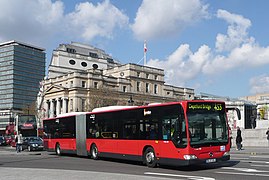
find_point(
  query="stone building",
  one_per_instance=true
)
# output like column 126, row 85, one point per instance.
column 102, row 82
column 76, row 56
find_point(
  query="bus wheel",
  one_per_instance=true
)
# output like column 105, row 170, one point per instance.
column 58, row 150
column 150, row 157
column 94, row 152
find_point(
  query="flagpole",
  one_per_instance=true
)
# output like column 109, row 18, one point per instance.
column 145, row 53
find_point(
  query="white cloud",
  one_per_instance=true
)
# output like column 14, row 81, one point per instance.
column 236, row 33
column 183, row 65
column 159, row 18
column 259, row 84
column 29, row 21
column 42, row 20
column 234, row 50
column 100, row 20
column 248, row 55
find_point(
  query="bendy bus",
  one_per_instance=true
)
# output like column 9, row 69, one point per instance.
column 176, row 133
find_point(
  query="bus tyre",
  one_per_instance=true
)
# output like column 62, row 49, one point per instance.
column 150, row 157
column 94, row 152
column 58, row 150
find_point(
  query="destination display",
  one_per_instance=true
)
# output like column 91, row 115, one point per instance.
column 206, row 106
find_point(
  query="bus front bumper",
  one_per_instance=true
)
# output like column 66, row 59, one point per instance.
column 180, row 162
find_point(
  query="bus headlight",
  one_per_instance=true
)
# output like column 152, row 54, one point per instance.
column 226, row 153
column 189, row 157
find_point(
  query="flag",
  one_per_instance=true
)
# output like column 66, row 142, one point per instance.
column 145, row 47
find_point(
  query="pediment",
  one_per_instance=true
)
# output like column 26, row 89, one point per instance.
column 55, row 88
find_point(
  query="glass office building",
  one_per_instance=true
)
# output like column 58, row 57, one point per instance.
column 22, row 67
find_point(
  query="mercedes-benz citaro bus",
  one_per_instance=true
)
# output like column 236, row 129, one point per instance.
column 176, row 133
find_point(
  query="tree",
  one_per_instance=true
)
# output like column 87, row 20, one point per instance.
column 263, row 110
column 100, row 98
column 30, row 109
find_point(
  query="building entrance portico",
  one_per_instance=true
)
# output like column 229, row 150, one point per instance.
column 55, row 107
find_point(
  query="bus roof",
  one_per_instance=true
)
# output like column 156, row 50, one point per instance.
column 118, row 108
column 70, row 114
column 110, row 108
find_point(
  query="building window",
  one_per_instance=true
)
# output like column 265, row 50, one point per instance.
column 156, row 77
column 124, row 88
column 147, row 76
column 138, row 74
column 84, row 64
column 155, row 89
column 72, row 62
column 95, row 85
column 70, row 50
column 110, row 60
column 138, row 86
column 93, row 55
column 147, row 87
column 83, row 84
column 71, row 83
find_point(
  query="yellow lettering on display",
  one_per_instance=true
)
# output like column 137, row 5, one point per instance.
column 217, row 107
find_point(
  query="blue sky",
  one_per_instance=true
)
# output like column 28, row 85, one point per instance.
column 215, row 47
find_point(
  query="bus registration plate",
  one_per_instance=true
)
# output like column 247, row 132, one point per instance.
column 210, row 160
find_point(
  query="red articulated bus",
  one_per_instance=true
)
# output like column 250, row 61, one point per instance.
column 176, row 133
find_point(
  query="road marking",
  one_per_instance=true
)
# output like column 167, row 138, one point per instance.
column 259, row 165
column 244, row 169
column 261, row 162
column 238, row 158
column 264, row 157
column 180, row 175
column 248, row 174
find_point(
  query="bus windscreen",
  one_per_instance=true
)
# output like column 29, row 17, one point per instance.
column 207, row 124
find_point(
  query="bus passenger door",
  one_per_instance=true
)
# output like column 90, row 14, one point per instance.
column 173, row 132
column 106, row 132
column 128, row 132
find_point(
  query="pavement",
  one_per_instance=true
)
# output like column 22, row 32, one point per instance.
column 251, row 150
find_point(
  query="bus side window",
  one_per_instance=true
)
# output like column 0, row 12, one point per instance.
column 153, row 132
column 166, row 132
column 94, row 131
column 92, row 126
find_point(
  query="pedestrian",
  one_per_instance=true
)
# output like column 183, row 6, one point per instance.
column 253, row 122
column 18, row 141
column 238, row 139
column 230, row 133
column 267, row 133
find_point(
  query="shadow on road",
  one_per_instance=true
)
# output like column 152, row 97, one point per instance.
column 200, row 167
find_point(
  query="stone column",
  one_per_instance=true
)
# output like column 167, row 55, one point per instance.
column 76, row 104
column 52, row 108
column 46, row 108
column 64, row 104
column 58, row 106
